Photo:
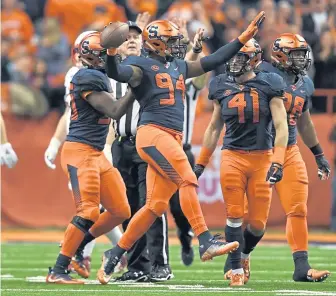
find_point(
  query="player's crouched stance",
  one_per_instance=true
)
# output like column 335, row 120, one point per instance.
column 92, row 177
column 246, row 103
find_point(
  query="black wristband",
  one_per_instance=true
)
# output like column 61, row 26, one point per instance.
column 316, row 150
column 197, row 49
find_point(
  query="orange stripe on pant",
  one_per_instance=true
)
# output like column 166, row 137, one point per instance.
column 293, row 194
column 245, row 172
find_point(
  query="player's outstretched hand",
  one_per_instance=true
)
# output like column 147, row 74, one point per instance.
column 8, row 155
column 274, row 173
column 252, row 29
column 198, row 170
column 323, row 167
column 143, row 19
column 198, row 40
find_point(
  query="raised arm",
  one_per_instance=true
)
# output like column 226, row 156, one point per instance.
column 307, row 132
column 226, row 52
column 105, row 103
column 210, row 139
column 122, row 73
column 279, row 117
column 8, row 156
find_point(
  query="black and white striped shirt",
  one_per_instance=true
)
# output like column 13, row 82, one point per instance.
column 191, row 97
column 127, row 124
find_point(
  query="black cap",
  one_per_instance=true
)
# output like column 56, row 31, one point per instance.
column 133, row 25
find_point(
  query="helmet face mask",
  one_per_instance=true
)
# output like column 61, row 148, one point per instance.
column 238, row 65
column 245, row 60
column 299, row 60
column 163, row 39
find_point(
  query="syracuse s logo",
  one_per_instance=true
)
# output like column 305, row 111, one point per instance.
column 153, row 32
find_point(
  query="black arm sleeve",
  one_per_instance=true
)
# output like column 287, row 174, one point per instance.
column 117, row 71
column 221, row 56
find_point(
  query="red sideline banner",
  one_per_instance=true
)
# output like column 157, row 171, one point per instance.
column 36, row 196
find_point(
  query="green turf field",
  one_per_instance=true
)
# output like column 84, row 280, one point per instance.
column 24, row 267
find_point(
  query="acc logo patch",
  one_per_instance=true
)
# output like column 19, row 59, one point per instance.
column 155, row 68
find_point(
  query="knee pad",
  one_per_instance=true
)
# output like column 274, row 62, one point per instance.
column 89, row 212
column 82, row 223
column 234, row 211
column 158, row 207
column 256, row 227
column 298, row 210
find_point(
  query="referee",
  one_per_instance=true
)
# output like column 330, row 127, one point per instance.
column 148, row 258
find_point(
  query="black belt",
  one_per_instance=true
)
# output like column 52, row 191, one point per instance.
column 186, row 147
column 130, row 139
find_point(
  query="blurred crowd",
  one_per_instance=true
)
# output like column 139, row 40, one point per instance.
column 37, row 36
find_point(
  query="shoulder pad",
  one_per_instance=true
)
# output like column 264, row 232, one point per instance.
column 214, row 86
column 265, row 67
column 91, row 80
column 275, row 83
column 309, row 85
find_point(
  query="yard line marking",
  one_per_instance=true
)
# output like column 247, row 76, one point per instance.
column 6, row 276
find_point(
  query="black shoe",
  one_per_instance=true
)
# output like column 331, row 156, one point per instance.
column 216, row 247
column 161, row 273
column 187, row 253
column 133, row 276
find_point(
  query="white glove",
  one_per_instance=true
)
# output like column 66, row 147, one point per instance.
column 8, row 155
column 108, row 153
column 51, row 153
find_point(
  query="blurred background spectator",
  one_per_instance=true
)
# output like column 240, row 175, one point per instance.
column 37, row 34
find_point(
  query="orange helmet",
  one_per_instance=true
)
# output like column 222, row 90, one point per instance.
column 246, row 59
column 163, row 38
column 75, row 48
column 291, row 52
column 91, row 53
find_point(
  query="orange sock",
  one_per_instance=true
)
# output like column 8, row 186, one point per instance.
column 105, row 223
column 139, row 224
column 297, row 233
column 72, row 239
column 192, row 209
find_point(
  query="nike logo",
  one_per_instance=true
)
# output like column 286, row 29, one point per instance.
column 176, row 69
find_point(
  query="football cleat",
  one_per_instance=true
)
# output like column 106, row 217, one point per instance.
column 133, row 277
column 81, row 266
column 237, row 280
column 312, row 275
column 187, row 252
column 121, row 265
column 109, row 262
column 161, row 273
column 247, row 269
column 227, row 275
column 214, row 247
column 61, row 278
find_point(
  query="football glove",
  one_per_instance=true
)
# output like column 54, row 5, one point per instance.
column 252, row 29
column 323, row 167
column 8, row 155
column 198, row 170
column 51, row 153
column 274, row 173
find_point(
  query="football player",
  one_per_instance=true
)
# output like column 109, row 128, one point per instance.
column 82, row 261
column 93, row 179
column 290, row 59
column 8, row 156
column 158, row 84
column 246, row 103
